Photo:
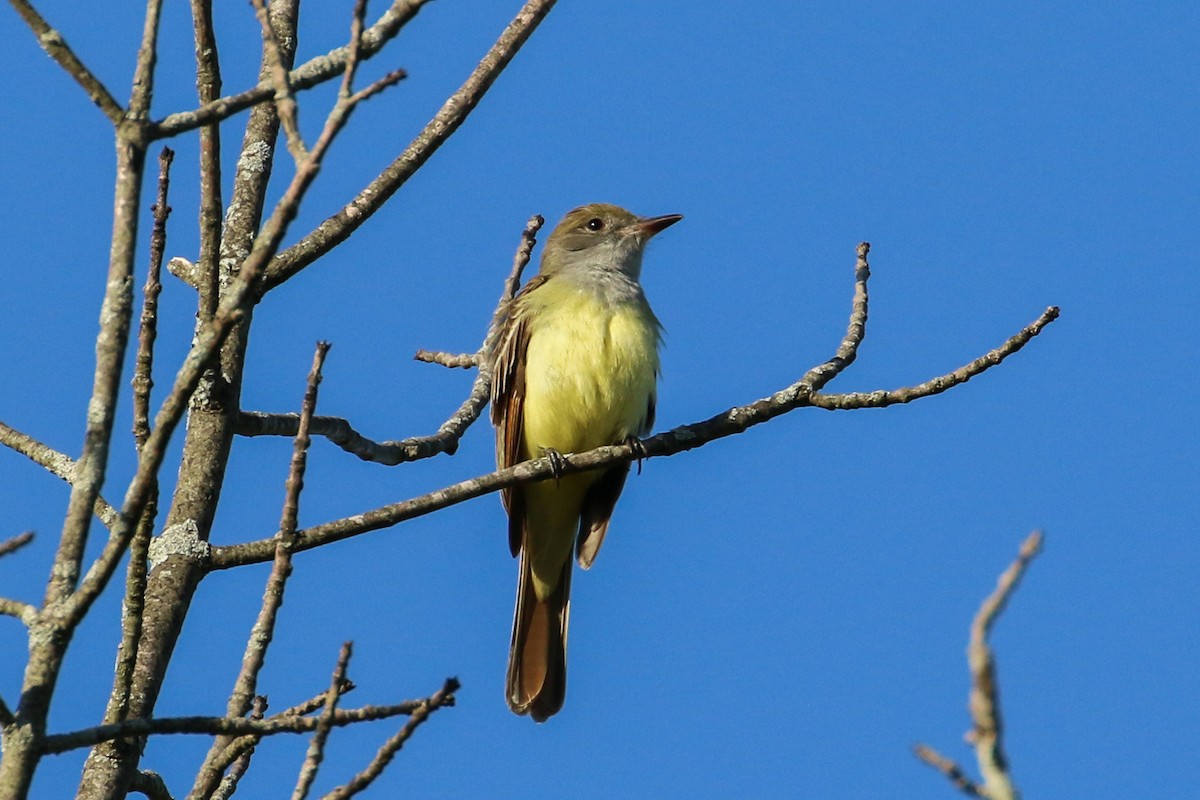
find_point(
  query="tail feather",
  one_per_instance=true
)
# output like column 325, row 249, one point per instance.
column 537, row 657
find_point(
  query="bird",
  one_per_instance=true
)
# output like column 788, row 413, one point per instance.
column 574, row 366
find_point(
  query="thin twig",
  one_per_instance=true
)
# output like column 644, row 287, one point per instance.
column 444, row 697
column 143, row 380
column 353, row 49
column 58, row 49
column 312, row 73
column 986, row 735
column 15, row 543
column 448, row 119
column 58, row 464
column 316, row 748
column 264, row 626
column 985, row 687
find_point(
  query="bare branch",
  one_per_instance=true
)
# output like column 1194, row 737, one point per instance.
column 264, row 627
column 15, row 543
column 143, row 380
column 58, row 49
column 236, row 301
column 6, row 715
column 353, row 49
column 452, row 114
column 341, row 433
column 444, row 697
column 231, row 726
column 58, row 464
column 316, row 748
column 312, row 73
column 986, row 734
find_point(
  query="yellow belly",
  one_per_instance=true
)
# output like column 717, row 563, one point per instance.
column 590, row 371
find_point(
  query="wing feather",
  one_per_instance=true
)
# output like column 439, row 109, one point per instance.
column 507, row 362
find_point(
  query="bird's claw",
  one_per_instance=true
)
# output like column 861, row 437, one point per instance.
column 557, row 462
column 639, row 450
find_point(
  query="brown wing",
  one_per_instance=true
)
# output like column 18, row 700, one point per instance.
column 507, row 362
column 600, row 500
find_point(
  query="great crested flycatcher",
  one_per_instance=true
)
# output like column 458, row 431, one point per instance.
column 574, row 368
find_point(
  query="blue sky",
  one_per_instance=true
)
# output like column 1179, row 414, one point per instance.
column 780, row 614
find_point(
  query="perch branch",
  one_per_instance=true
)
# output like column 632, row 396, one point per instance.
column 685, row 437
column 452, row 360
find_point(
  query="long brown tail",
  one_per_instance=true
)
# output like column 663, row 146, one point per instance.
column 537, row 657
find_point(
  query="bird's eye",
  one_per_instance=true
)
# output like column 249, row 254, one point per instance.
column 595, row 224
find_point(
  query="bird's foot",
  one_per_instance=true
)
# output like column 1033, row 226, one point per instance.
column 639, row 450
column 557, row 462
